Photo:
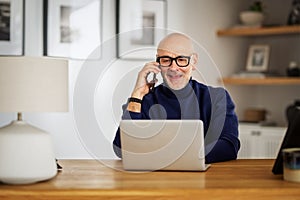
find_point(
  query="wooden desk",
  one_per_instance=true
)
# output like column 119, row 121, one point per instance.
column 87, row 179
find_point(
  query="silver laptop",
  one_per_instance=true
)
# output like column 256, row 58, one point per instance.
column 149, row 145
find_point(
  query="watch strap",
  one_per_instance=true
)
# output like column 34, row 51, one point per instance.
column 133, row 99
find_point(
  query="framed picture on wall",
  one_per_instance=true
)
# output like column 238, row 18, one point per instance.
column 140, row 26
column 258, row 58
column 72, row 28
column 11, row 27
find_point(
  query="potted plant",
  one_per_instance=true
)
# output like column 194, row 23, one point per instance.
column 254, row 16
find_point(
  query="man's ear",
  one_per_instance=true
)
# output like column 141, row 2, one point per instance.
column 194, row 60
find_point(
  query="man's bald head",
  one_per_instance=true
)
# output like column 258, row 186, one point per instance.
column 176, row 43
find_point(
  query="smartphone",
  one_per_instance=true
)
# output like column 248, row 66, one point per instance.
column 151, row 84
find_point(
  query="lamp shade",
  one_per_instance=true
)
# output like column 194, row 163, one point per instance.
column 33, row 84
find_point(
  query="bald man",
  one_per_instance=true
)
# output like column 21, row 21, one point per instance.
column 181, row 97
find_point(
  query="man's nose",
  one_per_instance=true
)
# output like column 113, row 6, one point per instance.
column 173, row 65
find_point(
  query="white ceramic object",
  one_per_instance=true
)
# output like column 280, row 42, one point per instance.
column 26, row 154
column 251, row 18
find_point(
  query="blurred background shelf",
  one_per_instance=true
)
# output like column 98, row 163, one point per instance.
column 249, row 31
column 262, row 81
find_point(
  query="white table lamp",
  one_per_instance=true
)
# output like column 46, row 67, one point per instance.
column 30, row 84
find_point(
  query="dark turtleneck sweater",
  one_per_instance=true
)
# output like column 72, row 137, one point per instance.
column 196, row 101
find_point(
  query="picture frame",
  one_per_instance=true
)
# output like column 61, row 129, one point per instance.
column 258, row 58
column 12, row 27
column 73, row 29
column 141, row 24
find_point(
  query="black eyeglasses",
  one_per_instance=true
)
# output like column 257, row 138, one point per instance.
column 166, row 61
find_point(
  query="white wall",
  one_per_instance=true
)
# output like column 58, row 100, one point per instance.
column 198, row 18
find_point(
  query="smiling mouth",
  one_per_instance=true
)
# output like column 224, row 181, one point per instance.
column 174, row 76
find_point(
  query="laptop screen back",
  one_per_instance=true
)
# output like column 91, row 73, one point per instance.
column 163, row 145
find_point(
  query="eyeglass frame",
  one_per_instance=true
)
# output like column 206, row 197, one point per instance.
column 172, row 59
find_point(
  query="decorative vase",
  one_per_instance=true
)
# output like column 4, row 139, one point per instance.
column 251, row 18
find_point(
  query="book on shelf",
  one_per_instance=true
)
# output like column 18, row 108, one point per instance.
column 248, row 74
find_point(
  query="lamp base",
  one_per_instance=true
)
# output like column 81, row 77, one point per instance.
column 26, row 154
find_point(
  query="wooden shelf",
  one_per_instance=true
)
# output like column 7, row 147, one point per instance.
column 262, row 81
column 245, row 31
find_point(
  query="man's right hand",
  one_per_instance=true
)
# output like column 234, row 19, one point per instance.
column 142, row 85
